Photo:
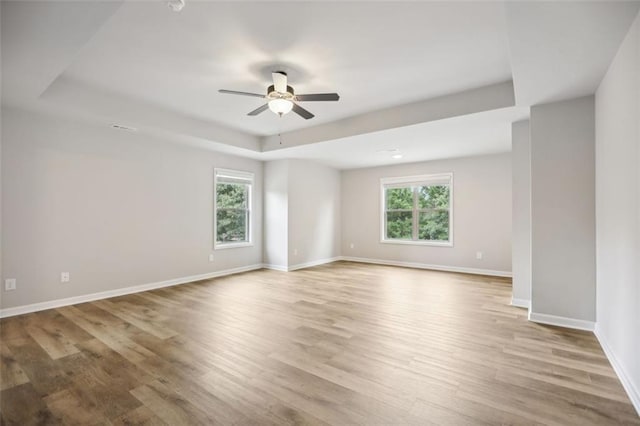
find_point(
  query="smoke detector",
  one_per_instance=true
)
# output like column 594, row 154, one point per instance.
column 175, row 5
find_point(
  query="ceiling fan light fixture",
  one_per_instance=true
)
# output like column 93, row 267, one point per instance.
column 280, row 106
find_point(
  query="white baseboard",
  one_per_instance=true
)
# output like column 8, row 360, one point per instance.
column 625, row 379
column 521, row 303
column 51, row 304
column 275, row 267
column 301, row 265
column 561, row 321
column 474, row 271
column 35, row 307
column 314, row 263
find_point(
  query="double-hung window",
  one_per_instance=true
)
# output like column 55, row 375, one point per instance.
column 232, row 218
column 417, row 209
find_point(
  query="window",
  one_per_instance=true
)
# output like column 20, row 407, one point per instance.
column 232, row 219
column 417, row 210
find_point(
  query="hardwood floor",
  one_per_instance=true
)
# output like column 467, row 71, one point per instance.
column 344, row 343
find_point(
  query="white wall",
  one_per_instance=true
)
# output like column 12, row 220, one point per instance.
column 618, row 212
column 482, row 214
column 563, row 212
column 115, row 209
column 521, row 202
column 276, row 213
column 314, row 212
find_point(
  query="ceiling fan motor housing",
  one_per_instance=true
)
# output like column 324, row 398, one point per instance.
column 273, row 94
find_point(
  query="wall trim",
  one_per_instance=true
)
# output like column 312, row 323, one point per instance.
column 625, row 378
column 58, row 303
column 444, row 268
column 314, row 263
column 301, row 265
column 561, row 321
column 280, row 268
column 521, row 303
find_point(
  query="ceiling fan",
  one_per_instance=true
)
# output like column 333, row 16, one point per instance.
column 281, row 98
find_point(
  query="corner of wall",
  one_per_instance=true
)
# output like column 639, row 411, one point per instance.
column 625, row 377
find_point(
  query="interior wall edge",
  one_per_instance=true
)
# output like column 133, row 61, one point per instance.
column 623, row 375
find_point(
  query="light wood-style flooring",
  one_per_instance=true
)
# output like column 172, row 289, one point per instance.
column 344, row 343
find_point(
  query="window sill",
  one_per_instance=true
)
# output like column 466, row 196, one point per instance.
column 223, row 246
column 419, row 243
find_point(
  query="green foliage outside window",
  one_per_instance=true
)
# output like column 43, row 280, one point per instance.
column 427, row 206
column 433, row 197
column 400, row 225
column 434, row 226
column 232, row 212
column 400, row 198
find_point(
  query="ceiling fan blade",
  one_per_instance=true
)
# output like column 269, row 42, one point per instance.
column 302, row 112
column 318, row 97
column 280, row 81
column 259, row 110
column 233, row 92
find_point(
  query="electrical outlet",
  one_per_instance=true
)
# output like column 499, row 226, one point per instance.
column 295, row 252
column 352, row 245
column 9, row 284
column 479, row 255
column 211, row 258
column 64, row 277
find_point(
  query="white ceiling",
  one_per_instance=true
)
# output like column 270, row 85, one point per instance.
column 374, row 55
column 561, row 50
column 474, row 134
column 139, row 63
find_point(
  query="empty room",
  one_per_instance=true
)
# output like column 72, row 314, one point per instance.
column 320, row 212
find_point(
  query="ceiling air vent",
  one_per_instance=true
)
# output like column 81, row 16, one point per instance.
column 122, row 127
column 175, row 5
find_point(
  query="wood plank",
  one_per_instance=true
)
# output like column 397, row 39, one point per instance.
column 22, row 405
column 11, row 374
column 344, row 343
column 139, row 416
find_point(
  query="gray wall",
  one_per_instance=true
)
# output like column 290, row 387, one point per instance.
column 482, row 214
column 618, row 212
column 314, row 212
column 115, row 209
column 276, row 213
column 521, row 201
column 563, row 209
column 302, row 208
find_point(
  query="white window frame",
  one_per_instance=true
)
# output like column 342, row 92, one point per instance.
column 235, row 174
column 399, row 182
